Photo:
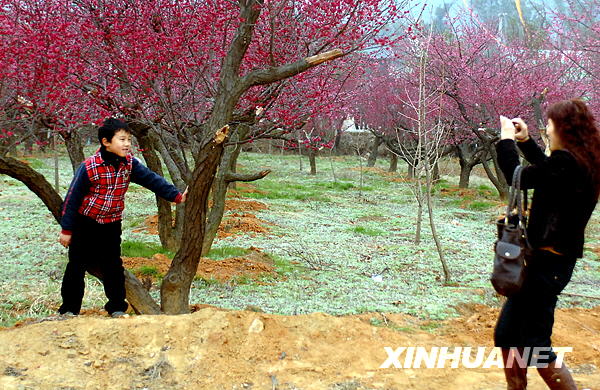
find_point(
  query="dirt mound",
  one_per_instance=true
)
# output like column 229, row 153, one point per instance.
column 219, row 349
column 244, row 205
column 232, row 223
column 254, row 265
column 577, row 328
column 242, row 189
column 237, row 223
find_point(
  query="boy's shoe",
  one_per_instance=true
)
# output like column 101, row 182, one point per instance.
column 118, row 314
column 68, row 314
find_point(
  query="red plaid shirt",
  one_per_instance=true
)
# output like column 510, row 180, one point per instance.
column 106, row 199
column 99, row 186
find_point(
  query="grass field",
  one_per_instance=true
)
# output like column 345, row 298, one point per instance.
column 352, row 244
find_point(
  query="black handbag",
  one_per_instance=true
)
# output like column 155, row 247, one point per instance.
column 512, row 247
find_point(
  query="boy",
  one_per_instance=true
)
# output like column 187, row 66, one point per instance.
column 92, row 213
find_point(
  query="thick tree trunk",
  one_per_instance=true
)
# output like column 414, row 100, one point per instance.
column 312, row 158
column 468, row 157
column 137, row 296
column 176, row 285
column 465, row 175
column 393, row 163
column 35, row 181
column 374, row 151
column 74, row 147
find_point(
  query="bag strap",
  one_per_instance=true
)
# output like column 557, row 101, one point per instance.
column 520, row 201
column 513, row 194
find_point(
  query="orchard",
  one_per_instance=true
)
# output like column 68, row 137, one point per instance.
column 337, row 157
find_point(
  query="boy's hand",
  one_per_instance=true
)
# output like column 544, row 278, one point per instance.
column 184, row 195
column 64, row 239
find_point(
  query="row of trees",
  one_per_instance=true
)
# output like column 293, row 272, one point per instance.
column 197, row 80
column 481, row 72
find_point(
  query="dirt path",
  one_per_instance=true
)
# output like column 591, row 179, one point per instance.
column 220, row 349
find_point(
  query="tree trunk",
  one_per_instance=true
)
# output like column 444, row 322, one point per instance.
column 497, row 179
column 465, row 175
column 219, row 190
column 436, row 171
column 166, row 232
column 312, row 158
column 393, row 163
column 35, row 181
column 468, row 157
column 74, row 147
column 411, row 172
column 137, row 296
column 374, row 151
column 175, row 289
column 436, row 239
column 419, row 221
column 336, row 143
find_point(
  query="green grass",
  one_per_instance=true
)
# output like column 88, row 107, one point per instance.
column 291, row 194
column 35, row 163
column 336, row 185
column 314, row 190
column 148, row 270
column 487, row 191
column 430, row 326
column 367, row 231
column 480, row 205
column 226, row 252
column 284, row 266
column 143, row 249
column 440, row 184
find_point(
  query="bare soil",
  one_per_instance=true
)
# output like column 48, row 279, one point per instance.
column 214, row 348
column 254, row 265
column 238, row 219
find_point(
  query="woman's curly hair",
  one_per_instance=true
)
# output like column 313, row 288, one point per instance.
column 578, row 132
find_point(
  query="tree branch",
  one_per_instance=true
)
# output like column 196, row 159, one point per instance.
column 271, row 75
column 231, row 176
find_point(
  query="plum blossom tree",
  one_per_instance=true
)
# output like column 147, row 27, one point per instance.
column 188, row 77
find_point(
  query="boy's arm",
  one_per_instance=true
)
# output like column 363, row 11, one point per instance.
column 78, row 189
column 143, row 176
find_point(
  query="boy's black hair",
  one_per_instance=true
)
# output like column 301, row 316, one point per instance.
column 110, row 127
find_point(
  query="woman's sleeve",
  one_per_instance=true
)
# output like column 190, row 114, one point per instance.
column 554, row 169
column 508, row 158
column 532, row 152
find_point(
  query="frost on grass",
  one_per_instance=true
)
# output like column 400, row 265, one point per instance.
column 351, row 249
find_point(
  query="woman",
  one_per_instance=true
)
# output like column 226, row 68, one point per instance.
column 566, row 187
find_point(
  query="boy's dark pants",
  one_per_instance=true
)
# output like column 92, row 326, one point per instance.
column 95, row 248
